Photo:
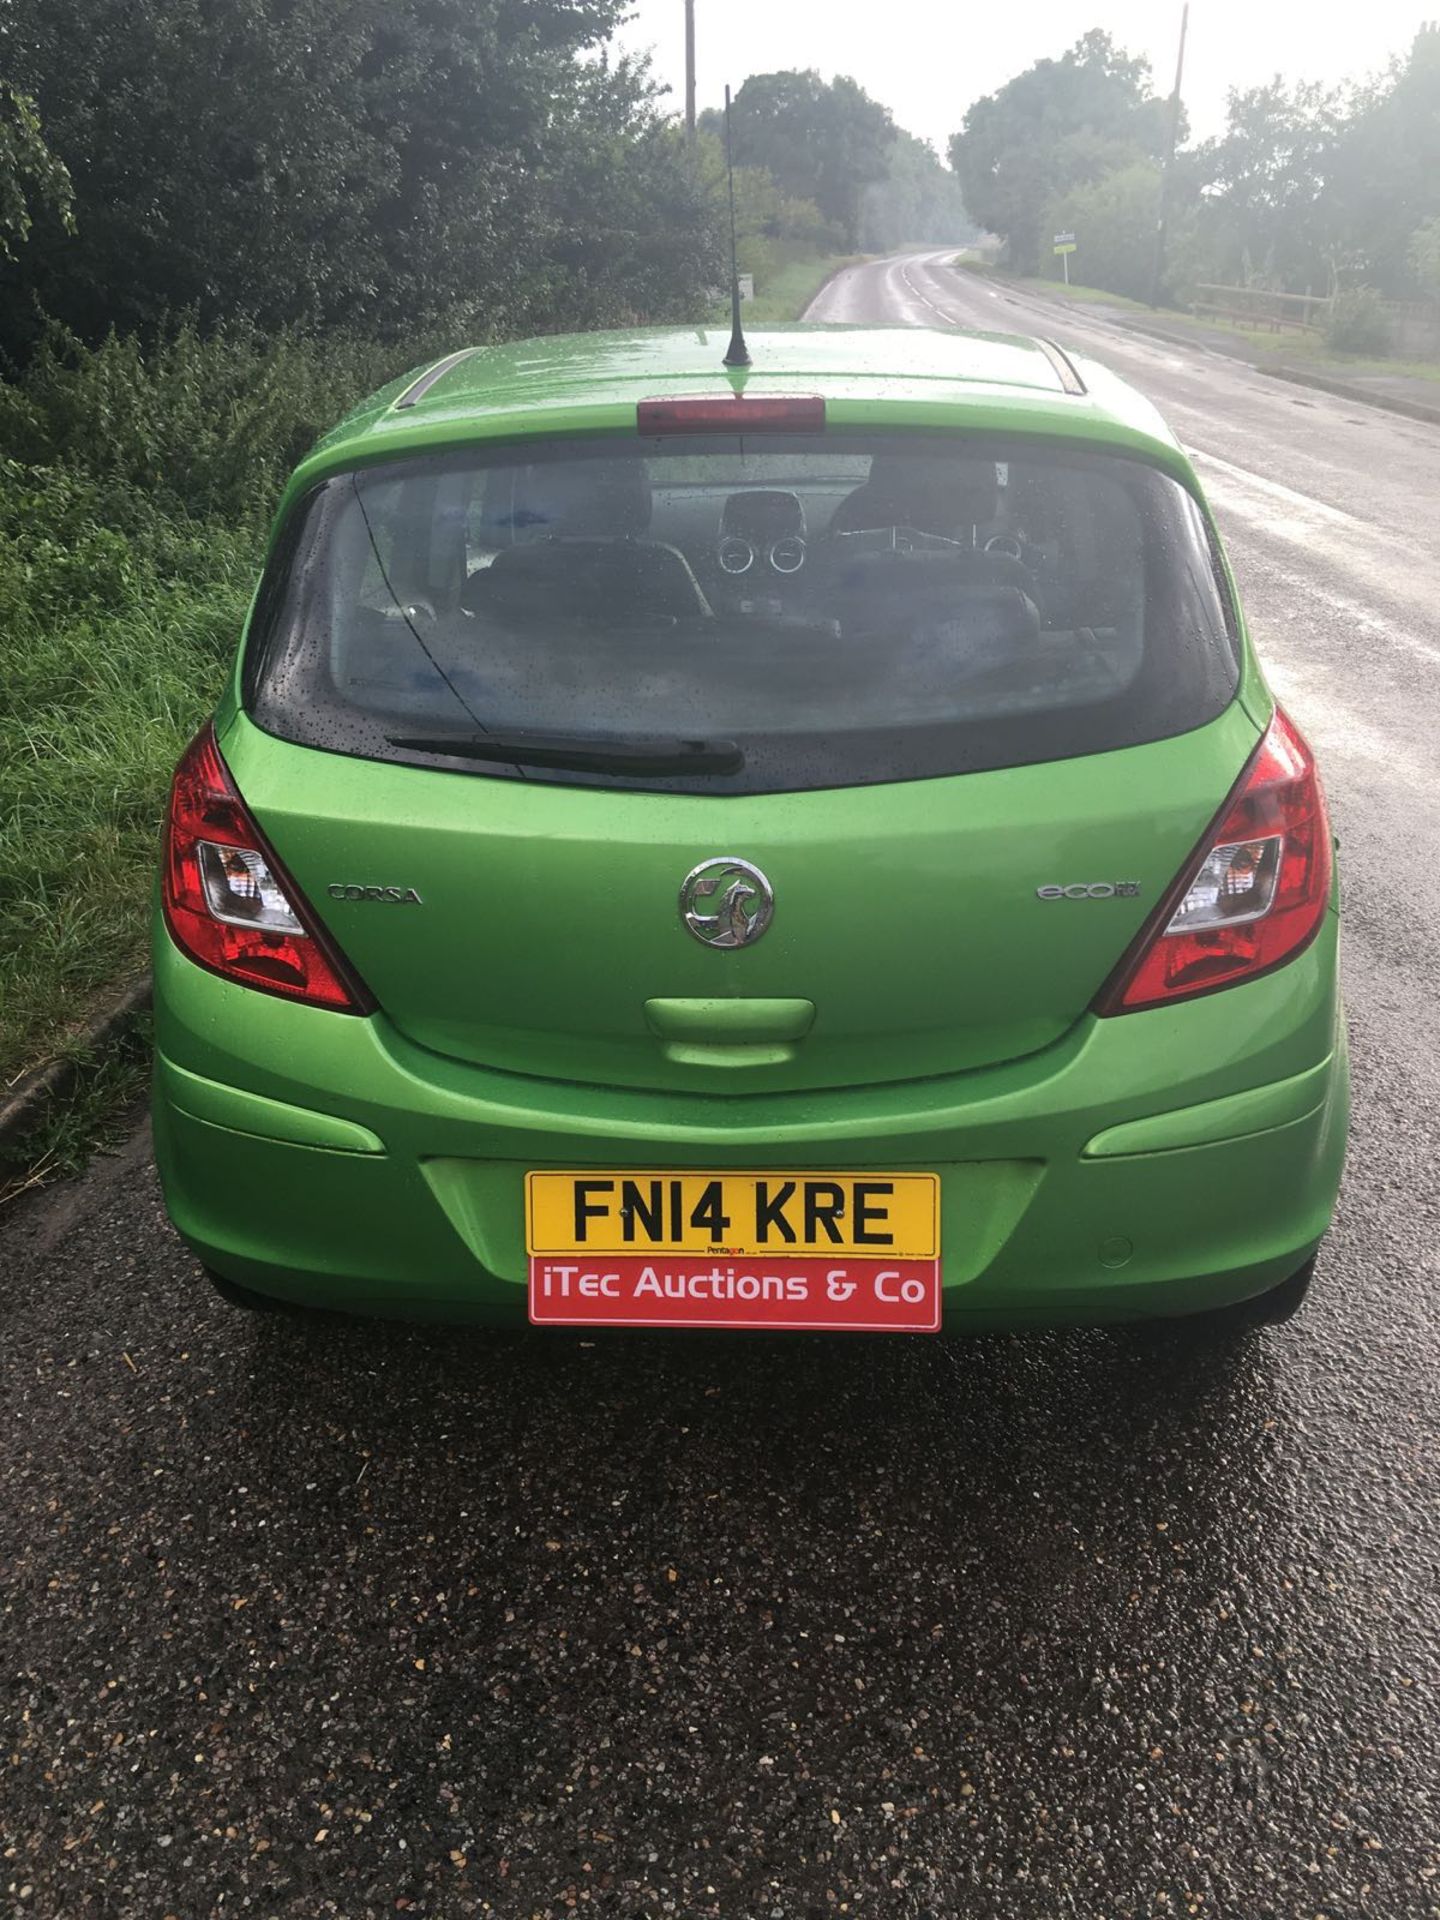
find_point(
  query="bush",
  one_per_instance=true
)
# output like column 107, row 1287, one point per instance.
column 1358, row 322
column 1114, row 219
column 200, row 427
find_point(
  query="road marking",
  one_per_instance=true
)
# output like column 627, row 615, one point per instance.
column 1338, row 728
column 947, row 318
column 1373, row 558
column 1310, row 509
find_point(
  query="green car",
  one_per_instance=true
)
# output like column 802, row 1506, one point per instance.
column 799, row 847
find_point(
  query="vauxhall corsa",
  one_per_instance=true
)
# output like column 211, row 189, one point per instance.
column 800, row 846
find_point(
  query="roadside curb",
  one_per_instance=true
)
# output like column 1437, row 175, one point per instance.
column 1296, row 376
column 1390, row 402
column 855, row 260
column 34, row 1091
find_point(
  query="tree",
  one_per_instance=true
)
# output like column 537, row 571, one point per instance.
column 626, row 222
column 28, row 172
column 919, row 199
column 365, row 162
column 1265, row 211
column 770, row 224
column 1114, row 219
column 819, row 141
column 1425, row 255
column 1059, row 125
column 1385, row 178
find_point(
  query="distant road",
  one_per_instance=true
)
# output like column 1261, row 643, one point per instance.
column 308, row 1619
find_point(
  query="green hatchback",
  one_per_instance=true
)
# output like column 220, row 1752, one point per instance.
column 802, row 847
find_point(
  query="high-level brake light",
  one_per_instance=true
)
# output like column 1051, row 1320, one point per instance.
column 733, row 413
column 228, row 902
column 1252, row 896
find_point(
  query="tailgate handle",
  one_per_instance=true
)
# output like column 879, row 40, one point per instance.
column 730, row 1033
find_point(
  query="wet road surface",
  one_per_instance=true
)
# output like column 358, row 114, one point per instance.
column 346, row 1619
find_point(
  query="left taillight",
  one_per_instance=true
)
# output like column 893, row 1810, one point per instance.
column 1251, row 897
column 230, row 905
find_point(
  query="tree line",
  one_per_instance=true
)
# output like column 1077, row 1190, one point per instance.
column 381, row 166
column 1308, row 188
column 366, row 164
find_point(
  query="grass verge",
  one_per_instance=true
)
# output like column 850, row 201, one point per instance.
column 112, row 646
column 1291, row 349
column 134, row 492
column 785, row 294
column 91, row 1116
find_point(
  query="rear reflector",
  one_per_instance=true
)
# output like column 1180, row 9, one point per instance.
column 735, row 413
column 1253, row 894
column 228, row 902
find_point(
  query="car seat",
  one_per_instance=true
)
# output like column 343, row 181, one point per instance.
column 577, row 554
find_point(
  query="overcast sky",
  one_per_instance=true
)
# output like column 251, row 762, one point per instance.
column 928, row 59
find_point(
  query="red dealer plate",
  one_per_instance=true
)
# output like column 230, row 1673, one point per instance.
column 786, row 1251
column 861, row 1296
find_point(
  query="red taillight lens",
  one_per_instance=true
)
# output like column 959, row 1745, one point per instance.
column 1252, row 896
column 733, row 413
column 230, row 905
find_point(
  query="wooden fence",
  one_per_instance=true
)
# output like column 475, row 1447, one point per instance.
column 1265, row 309
column 1414, row 325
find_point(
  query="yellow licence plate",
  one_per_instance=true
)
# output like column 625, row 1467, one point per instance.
column 883, row 1216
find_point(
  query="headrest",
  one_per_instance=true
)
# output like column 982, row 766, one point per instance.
column 610, row 497
column 957, row 493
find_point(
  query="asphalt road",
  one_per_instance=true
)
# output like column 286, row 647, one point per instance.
column 343, row 1619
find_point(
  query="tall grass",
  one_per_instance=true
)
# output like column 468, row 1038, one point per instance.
column 134, row 491
column 787, row 291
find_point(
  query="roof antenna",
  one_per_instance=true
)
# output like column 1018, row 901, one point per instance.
column 737, row 354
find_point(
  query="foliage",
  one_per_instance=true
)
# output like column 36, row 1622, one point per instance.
column 28, row 171
column 367, row 164
column 625, row 228
column 1385, row 180
column 819, row 141
column 1307, row 189
column 93, row 1112
column 1424, row 254
column 1316, row 188
column 1266, row 215
column 788, row 289
column 1061, row 125
column 1114, row 219
column 772, row 227
column 918, row 200
column 116, row 622
column 193, row 427
column 1357, row 322
column 133, row 502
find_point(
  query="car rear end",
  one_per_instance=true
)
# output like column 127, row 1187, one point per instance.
column 1003, row 987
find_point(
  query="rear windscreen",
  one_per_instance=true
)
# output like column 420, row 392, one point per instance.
column 742, row 615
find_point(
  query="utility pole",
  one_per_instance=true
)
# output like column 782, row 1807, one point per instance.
column 1157, row 273
column 690, row 71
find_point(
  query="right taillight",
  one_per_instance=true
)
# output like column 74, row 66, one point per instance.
column 1251, row 896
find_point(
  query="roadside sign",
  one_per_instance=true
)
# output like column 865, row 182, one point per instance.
column 747, row 286
column 1065, row 246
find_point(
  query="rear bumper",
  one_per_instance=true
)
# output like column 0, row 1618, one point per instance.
column 1162, row 1162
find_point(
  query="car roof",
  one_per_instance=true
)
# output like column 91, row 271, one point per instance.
column 870, row 377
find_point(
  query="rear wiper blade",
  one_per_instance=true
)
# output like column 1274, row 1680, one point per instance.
column 584, row 753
